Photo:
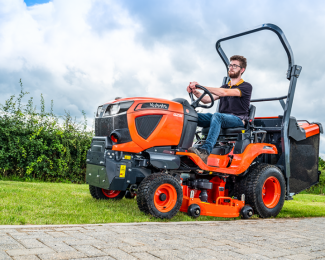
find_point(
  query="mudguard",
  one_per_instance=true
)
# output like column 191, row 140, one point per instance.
column 239, row 162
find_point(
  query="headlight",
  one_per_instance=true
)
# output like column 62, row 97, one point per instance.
column 116, row 108
column 124, row 106
column 99, row 110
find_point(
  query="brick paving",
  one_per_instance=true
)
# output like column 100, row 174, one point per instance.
column 243, row 239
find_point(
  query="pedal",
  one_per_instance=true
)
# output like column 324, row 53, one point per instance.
column 192, row 194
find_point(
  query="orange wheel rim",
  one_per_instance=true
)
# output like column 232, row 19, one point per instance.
column 165, row 197
column 271, row 192
column 111, row 193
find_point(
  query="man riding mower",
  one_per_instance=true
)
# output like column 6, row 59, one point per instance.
column 233, row 108
column 242, row 165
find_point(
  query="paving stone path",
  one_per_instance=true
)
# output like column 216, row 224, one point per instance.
column 243, row 239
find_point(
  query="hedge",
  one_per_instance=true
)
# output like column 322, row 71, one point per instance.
column 35, row 144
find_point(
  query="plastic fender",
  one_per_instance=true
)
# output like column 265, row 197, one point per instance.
column 218, row 160
column 240, row 162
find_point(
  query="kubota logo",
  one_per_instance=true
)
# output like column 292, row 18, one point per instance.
column 154, row 105
column 158, row 105
column 178, row 115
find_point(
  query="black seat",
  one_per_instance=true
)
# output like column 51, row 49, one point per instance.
column 236, row 130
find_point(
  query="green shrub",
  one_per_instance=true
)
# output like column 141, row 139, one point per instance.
column 318, row 188
column 321, row 164
column 39, row 145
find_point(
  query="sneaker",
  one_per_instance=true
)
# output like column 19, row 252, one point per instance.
column 202, row 153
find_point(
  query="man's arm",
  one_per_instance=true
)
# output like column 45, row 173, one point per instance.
column 224, row 92
column 219, row 92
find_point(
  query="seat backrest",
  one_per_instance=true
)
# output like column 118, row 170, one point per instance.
column 252, row 110
column 251, row 116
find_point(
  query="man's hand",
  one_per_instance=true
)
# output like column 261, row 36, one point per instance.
column 191, row 87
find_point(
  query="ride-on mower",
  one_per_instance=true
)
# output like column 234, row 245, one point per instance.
column 141, row 148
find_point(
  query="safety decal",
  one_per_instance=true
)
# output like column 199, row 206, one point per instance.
column 122, row 171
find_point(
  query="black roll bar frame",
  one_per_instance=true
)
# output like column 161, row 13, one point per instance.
column 272, row 99
column 268, row 99
column 293, row 73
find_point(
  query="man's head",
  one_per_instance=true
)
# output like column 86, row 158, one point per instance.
column 237, row 66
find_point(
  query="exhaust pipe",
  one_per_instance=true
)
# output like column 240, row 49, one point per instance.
column 115, row 137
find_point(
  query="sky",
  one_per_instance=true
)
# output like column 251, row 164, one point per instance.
column 83, row 53
column 34, row 2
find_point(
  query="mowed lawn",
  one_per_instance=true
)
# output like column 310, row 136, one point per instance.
column 57, row 203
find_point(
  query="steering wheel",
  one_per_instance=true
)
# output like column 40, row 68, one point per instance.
column 195, row 103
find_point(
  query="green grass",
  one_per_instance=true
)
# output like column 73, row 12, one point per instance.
column 58, row 203
column 304, row 205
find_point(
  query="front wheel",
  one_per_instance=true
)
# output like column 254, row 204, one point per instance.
column 160, row 195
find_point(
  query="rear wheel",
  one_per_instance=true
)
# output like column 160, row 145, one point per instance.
column 160, row 195
column 109, row 194
column 265, row 190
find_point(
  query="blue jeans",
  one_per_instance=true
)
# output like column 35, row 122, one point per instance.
column 216, row 121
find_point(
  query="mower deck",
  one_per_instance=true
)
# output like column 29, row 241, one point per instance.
column 225, row 207
column 218, row 204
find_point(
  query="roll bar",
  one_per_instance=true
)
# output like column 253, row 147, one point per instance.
column 266, row 26
column 268, row 99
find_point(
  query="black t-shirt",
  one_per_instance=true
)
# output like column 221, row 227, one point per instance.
column 238, row 106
